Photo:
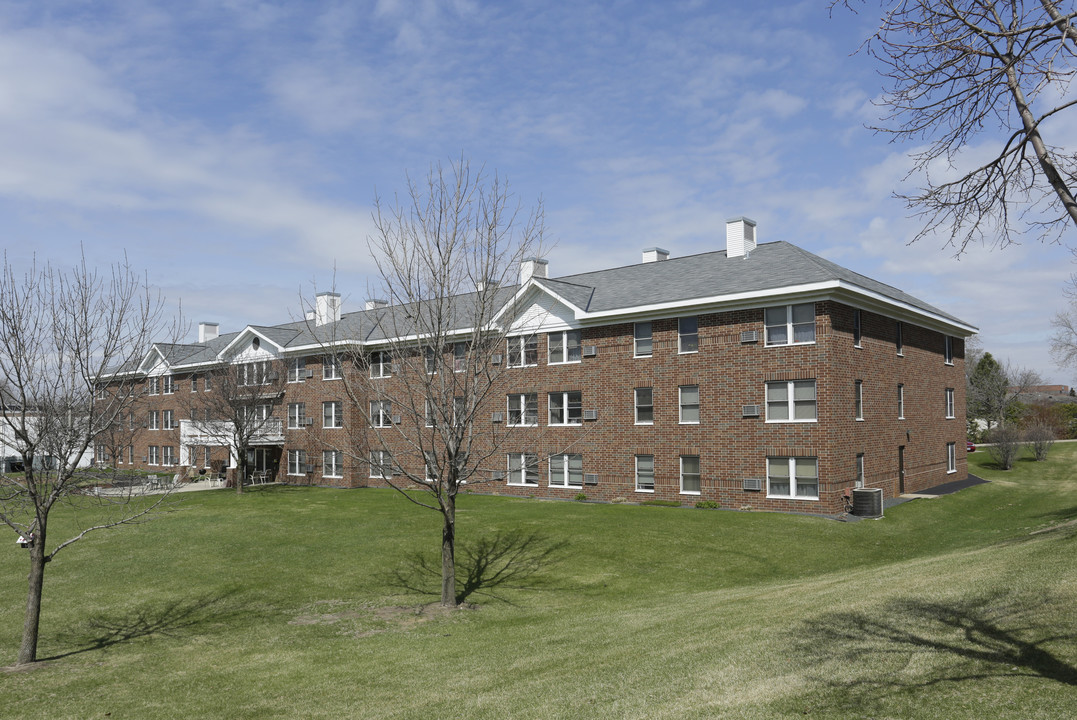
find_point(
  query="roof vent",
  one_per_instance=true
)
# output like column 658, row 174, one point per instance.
column 739, row 237
column 326, row 308
column 374, row 303
column 208, row 331
column 533, row 267
column 655, row 254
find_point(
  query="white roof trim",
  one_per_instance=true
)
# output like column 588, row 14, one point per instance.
column 243, row 334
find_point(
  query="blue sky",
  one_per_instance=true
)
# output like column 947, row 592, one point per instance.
column 233, row 148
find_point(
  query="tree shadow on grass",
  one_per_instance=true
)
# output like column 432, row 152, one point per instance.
column 172, row 618
column 992, row 636
column 505, row 560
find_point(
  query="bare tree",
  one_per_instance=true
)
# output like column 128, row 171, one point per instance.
column 239, row 410
column 448, row 257
column 1040, row 436
column 958, row 69
column 1005, row 445
column 64, row 333
column 994, row 390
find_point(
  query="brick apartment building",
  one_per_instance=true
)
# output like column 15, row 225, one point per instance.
column 760, row 376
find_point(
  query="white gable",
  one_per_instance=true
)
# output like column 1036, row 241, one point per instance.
column 543, row 314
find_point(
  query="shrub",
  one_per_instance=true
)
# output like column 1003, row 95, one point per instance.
column 580, row 497
column 1039, row 437
column 708, row 504
column 1005, row 444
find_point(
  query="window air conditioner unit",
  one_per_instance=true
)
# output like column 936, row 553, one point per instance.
column 590, row 350
column 307, row 421
column 590, row 479
column 749, row 336
column 754, row 484
column 394, row 367
column 749, row 411
column 272, row 377
column 497, row 474
column 308, row 373
column 495, row 417
column 309, row 467
column 590, row 414
column 495, row 359
column 145, row 459
column 396, row 419
column 146, row 424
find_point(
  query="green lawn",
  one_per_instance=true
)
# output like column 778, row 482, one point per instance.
column 295, row 603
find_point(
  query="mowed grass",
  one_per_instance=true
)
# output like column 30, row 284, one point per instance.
column 311, row 603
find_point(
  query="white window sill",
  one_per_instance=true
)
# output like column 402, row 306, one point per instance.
column 687, row 352
column 812, row 342
column 688, row 422
column 643, row 356
column 690, row 492
column 565, row 362
column 518, row 426
column 860, row 419
column 651, row 422
column 333, row 477
column 793, row 497
column 568, row 424
column 645, row 490
column 511, row 484
column 792, row 422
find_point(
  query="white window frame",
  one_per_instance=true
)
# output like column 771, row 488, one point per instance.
column 168, row 455
column 640, row 340
column 332, row 464
column 527, row 466
column 155, row 420
column 519, row 404
column 951, row 458
column 648, row 459
column 901, row 401
column 297, row 415
column 430, row 468
column 381, row 464
column 571, row 412
column 570, row 347
column 194, row 383
column 384, row 413
column 637, row 406
column 858, row 468
column 688, row 339
column 858, row 401
column 430, row 360
column 207, row 452
column 698, row 475
column 564, row 467
column 459, row 356
column 153, row 386
column 331, row 369
column 253, row 373
column 948, row 350
column 297, row 370
column 297, row 461
column 168, row 417
column 791, row 401
column 792, row 477
column 380, row 364
column 206, row 383
column 153, row 455
column 332, row 414
column 899, row 338
column 524, row 347
column 951, row 408
column 168, row 386
column 787, row 324
column 858, row 328
column 682, row 405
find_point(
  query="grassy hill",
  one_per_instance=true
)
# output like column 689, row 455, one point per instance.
column 313, row 603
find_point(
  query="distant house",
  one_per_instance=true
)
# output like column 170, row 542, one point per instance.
column 760, row 375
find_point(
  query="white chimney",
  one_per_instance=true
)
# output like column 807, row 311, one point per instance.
column 533, row 267
column 374, row 303
column 208, row 331
column 655, row 254
column 326, row 308
column 739, row 237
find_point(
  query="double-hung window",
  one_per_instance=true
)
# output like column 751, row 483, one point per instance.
column 948, row 350
column 169, row 453
column 523, row 469
column 430, row 360
column 331, row 368
column 381, row 464
column 254, row 373
column 793, row 477
column 645, row 473
column 858, row 329
column 790, row 324
column 690, row 483
column 522, row 351
column 297, row 415
column 153, row 457
column 564, row 347
column 194, row 383
column 381, row 413
column 901, row 401
column 297, row 370
column 859, row 470
column 951, row 457
column 791, row 401
column 689, row 404
column 642, row 341
column 459, row 356
column 950, row 403
column 858, row 400
column 169, row 419
column 155, row 420
column 332, row 463
column 333, row 414
column 380, row 365
column 297, row 462
column 688, row 334
column 566, row 470
column 644, row 400
column 899, row 338
column 523, row 409
column 153, row 385
column 169, row 384
column 566, row 408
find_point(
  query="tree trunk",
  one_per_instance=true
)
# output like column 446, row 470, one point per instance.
column 241, row 471
column 448, row 553
column 28, row 648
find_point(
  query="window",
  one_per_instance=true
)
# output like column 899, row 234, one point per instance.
column 154, row 458
column 565, row 347
column 948, row 351
column 297, row 370
column 645, row 473
column 793, row 477
column 858, row 401
column 899, row 338
column 297, row 415
column 790, row 324
column 206, row 383
column 381, row 464
column 256, row 413
column 431, row 465
column 643, row 347
column 153, row 385
column 523, row 351
column 255, row 373
column 194, row 383
column 459, row 356
column 332, row 463
column 297, row 462
column 168, row 420
column 169, row 384
column 459, row 410
column 857, row 328
column 169, row 453
column 644, row 406
column 690, row 484
column 566, row 408
column 859, row 469
column 791, row 401
column 689, row 402
column 155, row 420
column 523, row 409
column 688, row 334
column 206, row 461
column 381, row 413
column 331, row 368
column 951, row 457
column 523, row 469
column 430, row 360
column 566, row 470
column 950, row 403
column 333, row 414
column 379, row 364
column 431, row 419
column 901, row 401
